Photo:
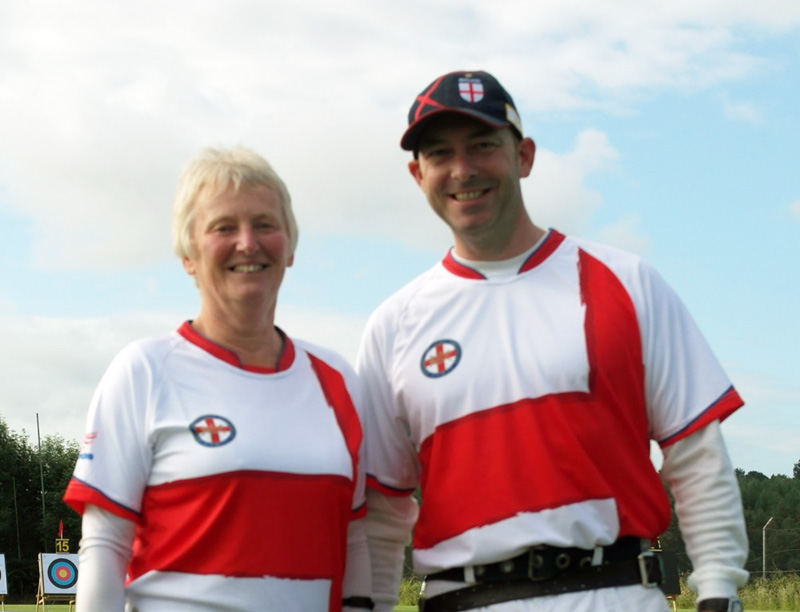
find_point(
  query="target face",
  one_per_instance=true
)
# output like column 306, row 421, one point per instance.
column 3, row 585
column 62, row 573
column 59, row 573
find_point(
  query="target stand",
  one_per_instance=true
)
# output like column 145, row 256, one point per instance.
column 58, row 579
column 3, row 582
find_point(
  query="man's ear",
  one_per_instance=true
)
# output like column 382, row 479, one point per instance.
column 526, row 151
column 188, row 265
column 414, row 169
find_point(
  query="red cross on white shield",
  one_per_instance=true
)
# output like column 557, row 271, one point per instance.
column 470, row 89
column 440, row 358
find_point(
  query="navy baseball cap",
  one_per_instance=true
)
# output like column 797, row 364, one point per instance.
column 474, row 94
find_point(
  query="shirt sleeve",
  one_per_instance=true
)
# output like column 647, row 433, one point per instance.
column 685, row 384
column 114, row 463
column 392, row 466
column 392, row 463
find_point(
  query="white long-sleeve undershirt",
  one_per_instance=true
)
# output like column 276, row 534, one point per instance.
column 104, row 553
column 709, row 509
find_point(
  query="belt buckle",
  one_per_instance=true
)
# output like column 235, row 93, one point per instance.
column 535, row 563
column 644, row 574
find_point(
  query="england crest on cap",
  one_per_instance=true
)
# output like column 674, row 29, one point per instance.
column 470, row 89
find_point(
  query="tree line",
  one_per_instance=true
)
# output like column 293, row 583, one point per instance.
column 772, row 516
column 29, row 522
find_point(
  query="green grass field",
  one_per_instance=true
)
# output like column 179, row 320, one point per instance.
column 414, row 609
column 60, row 608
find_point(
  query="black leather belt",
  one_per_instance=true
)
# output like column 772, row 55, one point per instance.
column 547, row 571
column 543, row 562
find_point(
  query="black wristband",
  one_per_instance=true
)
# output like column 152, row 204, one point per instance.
column 358, row 602
column 720, row 604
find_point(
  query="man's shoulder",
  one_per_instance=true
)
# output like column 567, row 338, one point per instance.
column 640, row 278
column 605, row 252
column 399, row 300
column 625, row 264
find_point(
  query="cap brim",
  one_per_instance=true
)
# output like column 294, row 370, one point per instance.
column 410, row 139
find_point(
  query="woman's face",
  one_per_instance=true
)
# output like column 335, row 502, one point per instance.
column 241, row 247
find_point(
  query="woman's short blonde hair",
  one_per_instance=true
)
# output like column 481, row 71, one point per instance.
column 212, row 172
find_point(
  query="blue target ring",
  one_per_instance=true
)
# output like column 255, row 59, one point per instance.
column 62, row 573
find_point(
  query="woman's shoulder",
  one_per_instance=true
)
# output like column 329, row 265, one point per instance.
column 330, row 356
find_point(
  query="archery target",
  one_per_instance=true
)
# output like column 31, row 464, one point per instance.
column 3, row 582
column 59, row 574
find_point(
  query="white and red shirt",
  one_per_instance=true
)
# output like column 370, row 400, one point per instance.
column 523, row 406
column 242, row 481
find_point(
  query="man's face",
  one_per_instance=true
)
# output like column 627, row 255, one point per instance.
column 470, row 174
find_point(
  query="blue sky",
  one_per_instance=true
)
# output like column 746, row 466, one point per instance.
column 670, row 131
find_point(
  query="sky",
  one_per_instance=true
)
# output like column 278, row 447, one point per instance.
column 668, row 129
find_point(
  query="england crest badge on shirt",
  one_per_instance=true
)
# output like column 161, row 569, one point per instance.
column 212, row 430
column 440, row 358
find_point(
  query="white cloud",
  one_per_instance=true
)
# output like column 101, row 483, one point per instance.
column 626, row 234
column 794, row 210
column 52, row 366
column 769, row 414
column 746, row 442
column 742, row 111
column 101, row 104
column 767, row 390
column 556, row 195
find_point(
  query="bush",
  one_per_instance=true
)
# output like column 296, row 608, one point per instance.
column 779, row 593
column 409, row 590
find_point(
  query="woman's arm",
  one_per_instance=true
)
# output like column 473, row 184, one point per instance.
column 104, row 553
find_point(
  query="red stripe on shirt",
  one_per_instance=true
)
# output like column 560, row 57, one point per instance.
column 727, row 404
column 570, row 447
column 247, row 524
column 459, row 269
column 79, row 494
column 359, row 513
column 285, row 359
column 551, row 243
column 377, row 485
column 338, row 398
column 617, row 386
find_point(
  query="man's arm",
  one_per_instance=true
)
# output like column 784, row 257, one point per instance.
column 709, row 509
column 389, row 523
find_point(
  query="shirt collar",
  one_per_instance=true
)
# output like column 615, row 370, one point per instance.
column 285, row 358
column 483, row 270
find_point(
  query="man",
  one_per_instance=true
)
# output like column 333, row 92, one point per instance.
column 519, row 382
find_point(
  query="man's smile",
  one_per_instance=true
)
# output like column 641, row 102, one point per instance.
column 469, row 195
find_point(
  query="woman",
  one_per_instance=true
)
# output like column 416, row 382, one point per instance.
column 221, row 466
